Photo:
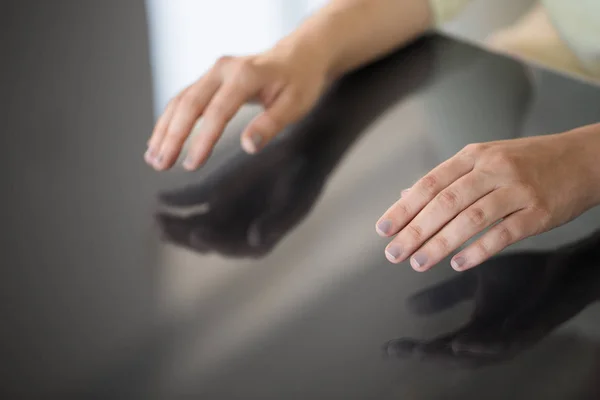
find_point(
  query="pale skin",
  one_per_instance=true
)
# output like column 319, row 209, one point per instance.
column 516, row 188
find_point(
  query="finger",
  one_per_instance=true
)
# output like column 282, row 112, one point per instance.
column 269, row 123
column 160, row 129
column 479, row 216
column 444, row 295
column 220, row 111
column 189, row 108
column 513, row 228
column 438, row 212
column 421, row 193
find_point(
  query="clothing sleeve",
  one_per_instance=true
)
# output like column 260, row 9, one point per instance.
column 444, row 10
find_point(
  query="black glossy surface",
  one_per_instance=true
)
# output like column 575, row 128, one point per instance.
column 270, row 281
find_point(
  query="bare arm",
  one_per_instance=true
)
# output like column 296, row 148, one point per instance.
column 350, row 33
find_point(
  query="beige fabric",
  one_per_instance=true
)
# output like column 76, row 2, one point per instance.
column 578, row 22
column 560, row 34
column 535, row 38
column 445, row 10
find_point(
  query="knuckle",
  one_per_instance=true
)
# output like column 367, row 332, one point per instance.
column 217, row 110
column 543, row 216
column 401, row 210
column 483, row 249
column 175, row 100
column 536, row 203
column 448, row 200
column 243, row 78
column 505, row 236
column 222, row 61
column 442, row 243
column 474, row 149
column 529, row 193
column 174, row 103
column 429, row 184
column 188, row 101
column 243, row 65
column 415, row 232
column 476, row 216
column 502, row 161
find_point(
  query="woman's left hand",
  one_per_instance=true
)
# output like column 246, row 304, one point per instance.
column 519, row 188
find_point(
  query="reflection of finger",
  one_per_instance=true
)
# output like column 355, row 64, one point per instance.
column 443, row 295
column 492, row 347
column 186, row 211
column 287, row 206
column 479, row 216
column 173, row 229
column 399, row 348
column 512, row 229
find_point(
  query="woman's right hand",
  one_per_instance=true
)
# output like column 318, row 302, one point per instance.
column 287, row 82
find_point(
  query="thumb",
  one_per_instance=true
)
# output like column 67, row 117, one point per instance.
column 271, row 121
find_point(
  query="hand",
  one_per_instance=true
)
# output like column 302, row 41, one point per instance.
column 287, row 82
column 519, row 299
column 519, row 188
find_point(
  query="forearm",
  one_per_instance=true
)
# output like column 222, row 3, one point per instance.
column 346, row 34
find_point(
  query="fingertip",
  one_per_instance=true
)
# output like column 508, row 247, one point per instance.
column 458, row 263
column 416, row 266
column 148, row 157
column 189, row 164
column 391, row 258
column 196, row 156
column 383, row 227
column 159, row 163
column 252, row 142
column 393, row 254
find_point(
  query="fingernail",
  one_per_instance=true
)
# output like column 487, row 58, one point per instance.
column 158, row 160
column 149, row 155
column 188, row 163
column 418, row 260
column 458, row 263
column 384, row 227
column 393, row 253
column 256, row 140
column 404, row 192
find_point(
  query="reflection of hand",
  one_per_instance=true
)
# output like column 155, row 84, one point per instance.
column 281, row 80
column 530, row 185
column 244, row 209
column 519, row 299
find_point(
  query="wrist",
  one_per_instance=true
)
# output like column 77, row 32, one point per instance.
column 303, row 51
column 311, row 45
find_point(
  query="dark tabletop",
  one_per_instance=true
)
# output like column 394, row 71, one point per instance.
column 261, row 277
